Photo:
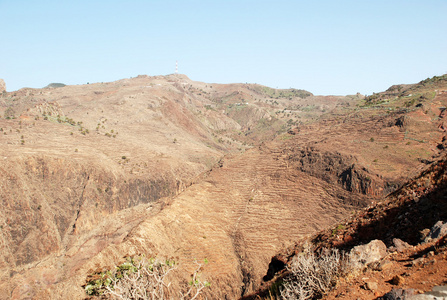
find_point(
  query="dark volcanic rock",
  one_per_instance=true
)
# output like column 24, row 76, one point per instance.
column 336, row 167
column 398, row 294
column 437, row 231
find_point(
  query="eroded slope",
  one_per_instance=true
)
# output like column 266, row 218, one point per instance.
column 86, row 169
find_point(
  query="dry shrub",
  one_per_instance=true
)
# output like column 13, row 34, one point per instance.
column 313, row 275
column 145, row 279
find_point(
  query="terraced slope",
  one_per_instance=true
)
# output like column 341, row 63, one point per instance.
column 75, row 201
column 406, row 215
column 237, row 218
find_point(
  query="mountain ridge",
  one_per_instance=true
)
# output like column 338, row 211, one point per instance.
column 110, row 170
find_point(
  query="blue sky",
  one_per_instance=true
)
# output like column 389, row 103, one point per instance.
column 326, row 47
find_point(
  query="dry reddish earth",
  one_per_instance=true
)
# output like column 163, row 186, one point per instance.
column 179, row 179
column 68, row 194
column 236, row 218
column 419, row 268
column 406, row 214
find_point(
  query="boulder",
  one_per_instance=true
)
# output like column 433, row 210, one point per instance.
column 363, row 255
column 438, row 230
column 371, row 286
column 397, row 280
column 398, row 294
column 381, row 265
column 424, row 233
column 438, row 292
column 399, row 245
column 2, row 86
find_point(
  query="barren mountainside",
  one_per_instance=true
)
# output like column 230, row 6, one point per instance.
column 168, row 167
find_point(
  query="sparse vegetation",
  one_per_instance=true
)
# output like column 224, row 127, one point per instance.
column 9, row 113
column 141, row 278
column 313, row 275
column 65, row 120
column 339, row 227
column 241, row 119
column 434, row 80
column 287, row 93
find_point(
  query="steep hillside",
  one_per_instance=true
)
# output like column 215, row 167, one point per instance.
column 165, row 166
column 402, row 219
column 413, row 262
column 78, row 158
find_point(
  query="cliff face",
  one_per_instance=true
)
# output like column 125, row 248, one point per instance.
column 45, row 200
column 334, row 167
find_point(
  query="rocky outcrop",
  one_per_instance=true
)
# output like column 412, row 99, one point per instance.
column 438, row 292
column 438, row 230
column 398, row 294
column 398, row 245
column 2, row 86
column 46, row 200
column 355, row 179
column 336, row 167
column 361, row 256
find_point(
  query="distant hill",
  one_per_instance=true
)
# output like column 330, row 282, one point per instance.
column 55, row 85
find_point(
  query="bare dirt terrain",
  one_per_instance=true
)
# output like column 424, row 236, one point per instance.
column 167, row 167
column 417, row 264
column 407, row 214
column 420, row 268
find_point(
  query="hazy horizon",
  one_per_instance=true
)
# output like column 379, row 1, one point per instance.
column 323, row 47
